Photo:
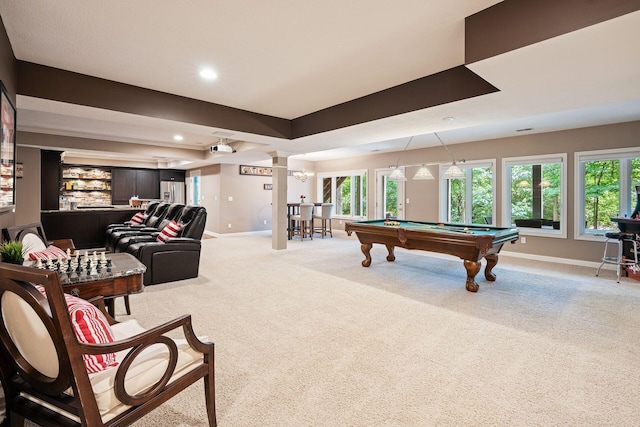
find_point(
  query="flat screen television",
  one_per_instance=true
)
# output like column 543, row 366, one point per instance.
column 7, row 151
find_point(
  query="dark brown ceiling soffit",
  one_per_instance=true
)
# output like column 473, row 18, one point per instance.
column 40, row 81
column 441, row 88
column 513, row 24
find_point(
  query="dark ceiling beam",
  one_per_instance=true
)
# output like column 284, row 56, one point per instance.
column 513, row 24
column 40, row 81
column 441, row 88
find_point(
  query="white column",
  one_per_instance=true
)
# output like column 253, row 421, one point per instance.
column 279, row 201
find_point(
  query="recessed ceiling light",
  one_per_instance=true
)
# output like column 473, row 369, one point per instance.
column 208, row 74
column 449, row 119
column 178, row 137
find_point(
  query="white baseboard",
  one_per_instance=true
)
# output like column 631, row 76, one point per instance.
column 568, row 261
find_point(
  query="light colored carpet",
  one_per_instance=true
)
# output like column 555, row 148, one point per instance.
column 309, row 337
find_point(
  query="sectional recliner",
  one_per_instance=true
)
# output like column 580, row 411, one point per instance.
column 174, row 257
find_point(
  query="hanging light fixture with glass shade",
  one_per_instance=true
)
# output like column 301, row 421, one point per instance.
column 397, row 174
column 452, row 171
column 423, row 174
column 303, row 175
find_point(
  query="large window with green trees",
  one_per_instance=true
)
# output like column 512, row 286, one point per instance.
column 347, row 191
column 605, row 188
column 469, row 200
column 534, row 194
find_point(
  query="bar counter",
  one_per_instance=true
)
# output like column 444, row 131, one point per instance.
column 86, row 226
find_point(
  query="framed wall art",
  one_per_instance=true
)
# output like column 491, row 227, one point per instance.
column 256, row 170
column 7, row 151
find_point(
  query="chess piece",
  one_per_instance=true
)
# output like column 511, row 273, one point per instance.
column 50, row 264
column 39, row 264
column 103, row 258
column 68, row 253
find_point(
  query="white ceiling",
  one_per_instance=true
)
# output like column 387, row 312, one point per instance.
column 288, row 59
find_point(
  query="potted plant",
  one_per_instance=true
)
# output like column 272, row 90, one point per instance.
column 11, row 252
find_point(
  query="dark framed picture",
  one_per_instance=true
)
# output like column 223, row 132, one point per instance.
column 255, row 170
column 7, row 151
column 268, row 186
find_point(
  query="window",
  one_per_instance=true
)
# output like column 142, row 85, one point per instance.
column 475, row 190
column 605, row 188
column 534, row 194
column 194, row 188
column 347, row 191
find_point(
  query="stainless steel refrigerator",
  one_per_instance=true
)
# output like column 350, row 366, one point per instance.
column 172, row 191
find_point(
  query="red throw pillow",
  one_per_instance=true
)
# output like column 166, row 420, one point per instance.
column 170, row 230
column 137, row 218
column 52, row 252
column 90, row 327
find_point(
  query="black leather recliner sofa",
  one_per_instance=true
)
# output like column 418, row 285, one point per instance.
column 113, row 233
column 121, row 241
column 151, row 207
column 178, row 257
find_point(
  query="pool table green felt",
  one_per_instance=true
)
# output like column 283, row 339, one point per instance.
column 471, row 243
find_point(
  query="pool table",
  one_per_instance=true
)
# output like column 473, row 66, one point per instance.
column 469, row 242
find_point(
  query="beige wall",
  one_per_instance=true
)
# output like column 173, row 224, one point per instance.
column 250, row 206
column 28, row 187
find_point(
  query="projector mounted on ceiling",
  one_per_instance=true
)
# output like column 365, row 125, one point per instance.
column 221, row 147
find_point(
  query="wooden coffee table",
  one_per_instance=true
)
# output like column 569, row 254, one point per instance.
column 124, row 277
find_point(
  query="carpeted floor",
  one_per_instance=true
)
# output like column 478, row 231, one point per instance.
column 308, row 337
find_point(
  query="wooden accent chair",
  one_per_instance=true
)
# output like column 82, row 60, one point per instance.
column 44, row 365
column 19, row 232
column 29, row 234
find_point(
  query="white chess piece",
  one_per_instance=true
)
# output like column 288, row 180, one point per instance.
column 103, row 258
column 39, row 263
column 68, row 253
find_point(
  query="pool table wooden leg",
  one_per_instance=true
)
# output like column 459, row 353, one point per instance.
column 492, row 260
column 366, row 250
column 391, row 256
column 473, row 267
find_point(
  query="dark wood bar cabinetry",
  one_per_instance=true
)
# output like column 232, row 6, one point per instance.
column 50, row 179
column 144, row 183
column 86, row 227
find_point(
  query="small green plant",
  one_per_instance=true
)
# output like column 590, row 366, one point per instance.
column 11, row 252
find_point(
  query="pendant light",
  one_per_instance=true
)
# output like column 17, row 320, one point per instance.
column 397, row 174
column 452, row 171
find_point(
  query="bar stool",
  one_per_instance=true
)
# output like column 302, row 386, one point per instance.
column 325, row 217
column 305, row 218
column 619, row 260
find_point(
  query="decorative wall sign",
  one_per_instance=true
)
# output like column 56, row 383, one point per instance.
column 256, row 170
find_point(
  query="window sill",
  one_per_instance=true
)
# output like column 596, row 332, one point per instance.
column 543, row 232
